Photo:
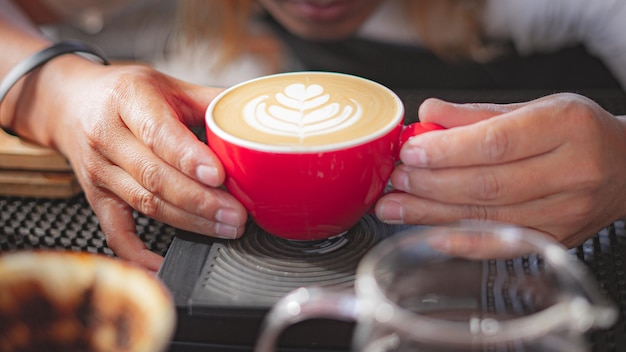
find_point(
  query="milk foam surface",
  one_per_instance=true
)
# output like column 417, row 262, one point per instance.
column 301, row 111
column 307, row 109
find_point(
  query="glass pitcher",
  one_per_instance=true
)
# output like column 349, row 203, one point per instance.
column 473, row 286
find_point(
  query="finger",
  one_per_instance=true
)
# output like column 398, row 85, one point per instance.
column 189, row 204
column 403, row 208
column 175, row 199
column 451, row 115
column 520, row 133
column 504, row 184
column 477, row 246
column 118, row 225
column 158, row 119
column 167, row 182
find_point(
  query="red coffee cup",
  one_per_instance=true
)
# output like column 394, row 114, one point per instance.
column 309, row 176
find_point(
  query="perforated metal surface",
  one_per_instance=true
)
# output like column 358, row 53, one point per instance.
column 27, row 223
column 32, row 223
column 604, row 254
column 70, row 224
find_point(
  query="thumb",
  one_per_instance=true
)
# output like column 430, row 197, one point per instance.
column 450, row 115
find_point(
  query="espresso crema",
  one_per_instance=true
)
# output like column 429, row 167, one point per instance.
column 307, row 109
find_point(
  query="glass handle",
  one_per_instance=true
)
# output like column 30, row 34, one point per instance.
column 303, row 304
column 595, row 310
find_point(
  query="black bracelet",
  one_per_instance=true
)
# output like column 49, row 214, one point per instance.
column 40, row 58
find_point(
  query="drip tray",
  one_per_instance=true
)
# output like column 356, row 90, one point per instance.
column 223, row 289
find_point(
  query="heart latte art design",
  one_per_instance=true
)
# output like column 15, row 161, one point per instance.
column 300, row 111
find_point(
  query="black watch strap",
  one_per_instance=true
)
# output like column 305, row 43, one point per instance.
column 43, row 56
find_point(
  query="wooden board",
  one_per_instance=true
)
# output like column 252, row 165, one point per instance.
column 38, row 184
column 29, row 170
column 16, row 153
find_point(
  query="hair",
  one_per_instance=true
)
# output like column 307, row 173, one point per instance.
column 449, row 28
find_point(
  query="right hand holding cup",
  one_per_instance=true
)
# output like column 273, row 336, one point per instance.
column 125, row 131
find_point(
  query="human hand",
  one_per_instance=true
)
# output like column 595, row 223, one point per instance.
column 555, row 164
column 124, row 130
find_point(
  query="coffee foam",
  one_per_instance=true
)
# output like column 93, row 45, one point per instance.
column 306, row 110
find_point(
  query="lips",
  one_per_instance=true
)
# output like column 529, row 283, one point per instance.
column 322, row 10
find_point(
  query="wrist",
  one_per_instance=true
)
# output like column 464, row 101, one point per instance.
column 25, row 78
column 55, row 98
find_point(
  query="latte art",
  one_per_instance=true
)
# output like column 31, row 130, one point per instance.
column 304, row 111
column 301, row 111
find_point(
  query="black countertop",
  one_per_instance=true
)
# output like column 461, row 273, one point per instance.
column 36, row 223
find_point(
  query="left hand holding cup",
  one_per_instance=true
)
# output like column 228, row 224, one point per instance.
column 555, row 164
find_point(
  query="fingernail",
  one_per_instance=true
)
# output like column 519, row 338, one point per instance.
column 414, row 155
column 228, row 223
column 226, row 231
column 207, row 175
column 391, row 212
column 400, row 179
column 228, row 216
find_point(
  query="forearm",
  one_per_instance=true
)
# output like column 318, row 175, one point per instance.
column 35, row 104
column 19, row 38
column 622, row 154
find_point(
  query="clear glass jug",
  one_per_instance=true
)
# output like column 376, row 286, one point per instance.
column 474, row 286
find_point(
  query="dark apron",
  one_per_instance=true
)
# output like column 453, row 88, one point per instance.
column 404, row 67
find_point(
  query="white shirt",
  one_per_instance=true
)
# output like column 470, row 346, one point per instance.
column 546, row 25
column 533, row 26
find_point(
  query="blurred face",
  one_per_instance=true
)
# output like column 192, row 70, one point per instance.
column 321, row 19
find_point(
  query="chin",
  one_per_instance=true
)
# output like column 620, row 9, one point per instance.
column 322, row 36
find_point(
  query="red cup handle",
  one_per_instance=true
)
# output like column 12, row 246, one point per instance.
column 407, row 133
column 417, row 128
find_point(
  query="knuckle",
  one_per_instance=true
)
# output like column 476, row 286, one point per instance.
column 146, row 203
column 485, row 187
column 95, row 177
column 577, row 110
column 494, row 144
column 151, row 132
column 150, row 175
column 569, row 100
column 124, row 83
column 478, row 212
column 187, row 161
column 96, row 134
column 92, row 172
column 126, row 86
column 128, row 76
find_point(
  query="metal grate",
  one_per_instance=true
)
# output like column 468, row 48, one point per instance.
column 604, row 254
column 29, row 223
column 69, row 224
